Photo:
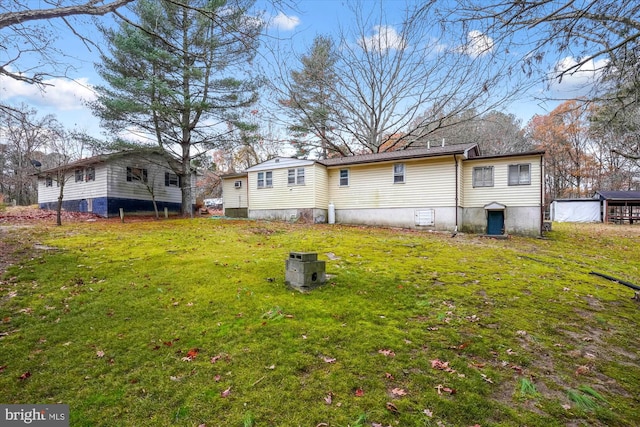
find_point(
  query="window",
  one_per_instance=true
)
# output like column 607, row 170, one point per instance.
column 48, row 182
column 398, row 173
column 171, row 180
column 90, row 173
column 79, row 175
column 295, row 176
column 137, row 174
column 344, row 177
column 265, row 179
column 520, row 174
column 483, row 176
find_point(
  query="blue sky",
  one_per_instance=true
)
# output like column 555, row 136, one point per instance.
column 297, row 28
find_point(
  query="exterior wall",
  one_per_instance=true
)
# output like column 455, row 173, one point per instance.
column 111, row 191
column 501, row 192
column 119, row 188
column 522, row 220
column 310, row 215
column 232, row 197
column 373, row 198
column 396, row 217
column 287, row 201
column 523, row 212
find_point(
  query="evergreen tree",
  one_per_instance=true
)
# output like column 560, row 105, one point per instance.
column 310, row 99
column 177, row 77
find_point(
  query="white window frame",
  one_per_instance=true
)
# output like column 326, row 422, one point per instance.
column 295, row 176
column 482, row 181
column 399, row 173
column 265, row 179
column 516, row 171
column 344, row 180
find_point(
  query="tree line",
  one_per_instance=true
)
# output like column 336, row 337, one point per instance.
column 190, row 78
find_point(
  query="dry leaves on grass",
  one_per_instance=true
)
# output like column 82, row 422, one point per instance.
column 386, row 352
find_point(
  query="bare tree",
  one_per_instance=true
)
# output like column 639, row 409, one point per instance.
column 388, row 74
column 25, row 135
column 25, row 33
column 598, row 35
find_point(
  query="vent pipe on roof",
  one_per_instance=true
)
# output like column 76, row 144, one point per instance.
column 443, row 142
column 428, row 144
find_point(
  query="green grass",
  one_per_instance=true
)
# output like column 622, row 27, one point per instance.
column 188, row 322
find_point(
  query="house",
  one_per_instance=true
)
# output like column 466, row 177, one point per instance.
column 103, row 184
column 440, row 188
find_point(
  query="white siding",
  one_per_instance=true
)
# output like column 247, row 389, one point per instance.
column 75, row 190
column 119, row 187
column 501, row 192
column 282, row 195
column 233, row 197
column 428, row 183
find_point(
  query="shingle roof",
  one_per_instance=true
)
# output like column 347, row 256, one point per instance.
column 402, row 155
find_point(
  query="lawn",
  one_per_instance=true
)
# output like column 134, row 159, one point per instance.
column 189, row 323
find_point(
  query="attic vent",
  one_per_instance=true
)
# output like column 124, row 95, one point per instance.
column 238, row 184
column 277, row 160
column 425, row 217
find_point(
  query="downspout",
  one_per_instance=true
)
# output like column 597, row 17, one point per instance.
column 541, row 193
column 455, row 160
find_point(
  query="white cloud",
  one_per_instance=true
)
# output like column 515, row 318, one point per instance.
column 284, row 22
column 478, row 44
column 385, row 38
column 59, row 94
column 568, row 76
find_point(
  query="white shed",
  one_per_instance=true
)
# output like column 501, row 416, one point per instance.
column 576, row 210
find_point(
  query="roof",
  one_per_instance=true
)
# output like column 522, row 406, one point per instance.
column 617, row 195
column 100, row 158
column 525, row 153
column 234, row 175
column 470, row 150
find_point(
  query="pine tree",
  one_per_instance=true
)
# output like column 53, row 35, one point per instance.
column 178, row 77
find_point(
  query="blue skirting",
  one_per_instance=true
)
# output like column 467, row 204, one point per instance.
column 109, row 207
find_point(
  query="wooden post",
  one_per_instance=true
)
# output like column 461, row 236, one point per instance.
column 121, row 214
column 166, row 212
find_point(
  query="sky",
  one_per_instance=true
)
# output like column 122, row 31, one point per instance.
column 66, row 98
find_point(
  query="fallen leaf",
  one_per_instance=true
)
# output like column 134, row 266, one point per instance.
column 217, row 378
column 329, row 359
column 388, row 376
column 566, row 407
column 582, row 370
column 388, row 353
column 511, row 352
column 391, row 407
column 521, row 333
column 398, row 392
column 359, row 392
column 192, row 353
column 443, row 366
column 168, row 343
column 226, row 392
column 428, row 413
column 100, row 353
column 24, row 376
column 329, row 398
column 487, row 379
column 442, row 388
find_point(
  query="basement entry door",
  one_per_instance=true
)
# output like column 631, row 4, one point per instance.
column 495, row 222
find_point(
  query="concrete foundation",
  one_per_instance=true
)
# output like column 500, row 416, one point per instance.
column 520, row 220
column 444, row 217
column 310, row 215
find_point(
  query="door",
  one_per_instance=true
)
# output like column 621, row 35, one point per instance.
column 495, row 222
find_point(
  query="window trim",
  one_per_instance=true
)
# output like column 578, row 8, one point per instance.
column 295, row 176
column 79, row 175
column 266, row 180
column 142, row 177
column 48, row 181
column 475, row 183
column 90, row 174
column 170, row 181
column 396, row 174
column 518, row 172
column 340, row 178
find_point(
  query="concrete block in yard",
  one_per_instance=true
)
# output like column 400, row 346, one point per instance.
column 304, row 272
